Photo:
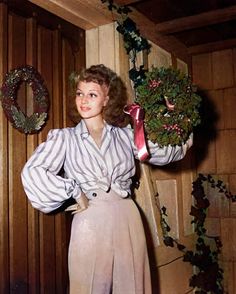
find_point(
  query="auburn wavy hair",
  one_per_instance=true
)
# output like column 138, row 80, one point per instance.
column 113, row 112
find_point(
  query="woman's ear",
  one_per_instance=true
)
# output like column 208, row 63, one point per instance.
column 106, row 101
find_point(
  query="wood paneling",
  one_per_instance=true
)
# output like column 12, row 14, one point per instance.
column 222, row 69
column 4, row 205
column 225, row 147
column 33, row 246
column 17, row 157
column 202, row 71
column 32, row 141
column 219, row 158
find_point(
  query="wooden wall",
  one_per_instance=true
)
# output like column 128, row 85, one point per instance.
column 33, row 246
column 214, row 73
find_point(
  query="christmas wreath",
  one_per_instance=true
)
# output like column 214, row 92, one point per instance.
column 11, row 83
column 171, row 105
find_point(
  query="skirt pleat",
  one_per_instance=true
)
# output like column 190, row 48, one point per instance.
column 107, row 252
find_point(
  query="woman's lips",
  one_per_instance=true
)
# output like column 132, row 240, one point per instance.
column 84, row 108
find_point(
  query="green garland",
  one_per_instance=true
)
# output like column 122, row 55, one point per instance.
column 11, row 83
column 205, row 256
column 134, row 42
column 170, row 104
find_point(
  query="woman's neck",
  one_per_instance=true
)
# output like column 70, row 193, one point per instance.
column 95, row 128
column 94, row 124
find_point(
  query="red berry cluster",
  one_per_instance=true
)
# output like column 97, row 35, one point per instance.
column 154, row 84
column 174, row 127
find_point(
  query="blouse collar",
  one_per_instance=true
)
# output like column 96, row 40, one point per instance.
column 81, row 129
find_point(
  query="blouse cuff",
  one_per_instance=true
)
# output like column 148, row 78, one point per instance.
column 72, row 189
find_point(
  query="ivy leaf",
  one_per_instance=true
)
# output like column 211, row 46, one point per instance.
column 188, row 256
column 163, row 210
column 168, row 241
column 181, row 247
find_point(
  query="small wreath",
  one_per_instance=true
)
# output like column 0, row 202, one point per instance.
column 171, row 106
column 12, row 81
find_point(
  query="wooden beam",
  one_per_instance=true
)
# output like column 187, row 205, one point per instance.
column 93, row 13
column 197, row 21
column 126, row 2
column 169, row 43
column 213, row 46
column 84, row 14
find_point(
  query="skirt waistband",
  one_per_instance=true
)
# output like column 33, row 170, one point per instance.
column 98, row 194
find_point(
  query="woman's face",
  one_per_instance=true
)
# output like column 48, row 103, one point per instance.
column 91, row 99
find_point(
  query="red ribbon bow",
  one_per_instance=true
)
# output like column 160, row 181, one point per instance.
column 137, row 115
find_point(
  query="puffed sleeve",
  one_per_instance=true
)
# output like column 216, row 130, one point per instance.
column 162, row 155
column 167, row 154
column 43, row 186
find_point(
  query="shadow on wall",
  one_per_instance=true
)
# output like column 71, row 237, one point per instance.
column 206, row 132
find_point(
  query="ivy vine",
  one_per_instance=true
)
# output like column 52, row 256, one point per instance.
column 134, row 42
column 205, row 256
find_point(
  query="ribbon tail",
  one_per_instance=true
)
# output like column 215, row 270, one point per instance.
column 139, row 141
column 137, row 115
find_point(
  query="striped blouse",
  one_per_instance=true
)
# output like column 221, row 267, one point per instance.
column 85, row 166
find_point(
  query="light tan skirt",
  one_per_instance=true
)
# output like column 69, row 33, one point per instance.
column 107, row 252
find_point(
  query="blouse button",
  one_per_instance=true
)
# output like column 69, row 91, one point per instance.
column 94, row 194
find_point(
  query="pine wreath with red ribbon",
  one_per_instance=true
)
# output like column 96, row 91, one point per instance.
column 171, row 105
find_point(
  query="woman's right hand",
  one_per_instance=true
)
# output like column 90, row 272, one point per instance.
column 82, row 204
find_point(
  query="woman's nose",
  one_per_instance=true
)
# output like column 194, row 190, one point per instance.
column 84, row 99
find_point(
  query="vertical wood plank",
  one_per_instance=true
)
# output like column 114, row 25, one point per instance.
column 158, row 57
column 47, row 222
column 187, row 201
column 69, row 108
column 219, row 204
column 202, row 71
column 92, row 47
column 107, row 50
column 124, row 69
column 32, row 141
column 232, row 189
column 182, row 66
column 229, row 100
column 80, row 54
column 4, row 225
column 222, row 69
column 17, row 203
column 226, row 146
column 167, row 190
column 228, row 238
column 60, row 222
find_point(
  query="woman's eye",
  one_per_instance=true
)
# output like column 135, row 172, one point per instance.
column 79, row 94
column 92, row 95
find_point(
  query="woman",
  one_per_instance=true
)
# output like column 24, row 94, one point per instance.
column 107, row 251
